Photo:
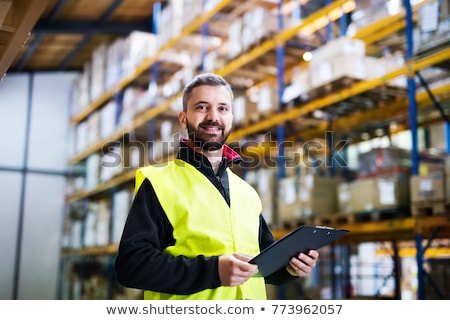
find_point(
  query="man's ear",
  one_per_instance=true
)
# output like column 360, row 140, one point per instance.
column 182, row 119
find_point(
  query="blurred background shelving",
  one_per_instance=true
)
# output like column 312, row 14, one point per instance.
column 348, row 139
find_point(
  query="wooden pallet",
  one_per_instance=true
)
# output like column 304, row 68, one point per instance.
column 358, row 217
column 333, row 219
column 288, row 224
column 430, row 208
column 332, row 86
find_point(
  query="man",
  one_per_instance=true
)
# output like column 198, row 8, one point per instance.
column 194, row 224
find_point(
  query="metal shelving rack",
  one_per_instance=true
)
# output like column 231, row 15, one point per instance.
column 391, row 230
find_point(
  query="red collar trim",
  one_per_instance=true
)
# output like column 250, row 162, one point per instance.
column 227, row 152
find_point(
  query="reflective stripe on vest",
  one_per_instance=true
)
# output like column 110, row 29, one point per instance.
column 204, row 224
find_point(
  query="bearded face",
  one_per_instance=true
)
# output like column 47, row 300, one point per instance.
column 208, row 118
column 207, row 135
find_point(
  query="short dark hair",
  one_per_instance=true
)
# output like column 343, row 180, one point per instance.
column 209, row 79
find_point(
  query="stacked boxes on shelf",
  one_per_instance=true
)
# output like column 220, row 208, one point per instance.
column 109, row 64
column 255, row 105
column 288, row 202
column 176, row 15
column 340, row 58
column 86, row 279
column 251, row 28
column 378, row 194
column 317, row 195
column 98, row 71
column 429, row 188
column 382, row 183
column 368, row 12
column 135, row 48
column 98, row 222
column 263, row 179
column 341, row 61
column 434, row 26
column 120, row 204
column 428, row 192
column 303, row 197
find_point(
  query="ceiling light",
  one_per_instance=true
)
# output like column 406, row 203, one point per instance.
column 307, row 56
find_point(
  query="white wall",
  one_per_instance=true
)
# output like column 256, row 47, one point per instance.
column 34, row 119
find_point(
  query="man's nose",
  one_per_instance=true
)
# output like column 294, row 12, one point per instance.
column 212, row 115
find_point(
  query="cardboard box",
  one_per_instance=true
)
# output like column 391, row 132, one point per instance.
column 310, row 181
column 318, row 201
column 265, row 188
column 343, row 198
column 288, row 204
column 379, row 193
column 317, row 195
column 430, row 187
column 338, row 47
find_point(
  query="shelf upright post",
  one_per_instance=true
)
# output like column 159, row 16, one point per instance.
column 280, row 127
column 343, row 24
column 329, row 138
column 153, row 85
column 447, row 136
column 411, row 88
column 329, row 27
column 204, row 47
column 118, row 99
column 111, row 276
column 346, row 171
column 420, row 273
column 414, row 135
column 397, row 271
column 280, row 67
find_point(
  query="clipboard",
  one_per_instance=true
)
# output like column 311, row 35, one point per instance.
column 302, row 239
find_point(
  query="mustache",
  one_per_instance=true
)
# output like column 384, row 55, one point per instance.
column 211, row 123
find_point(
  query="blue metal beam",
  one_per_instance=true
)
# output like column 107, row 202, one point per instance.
column 411, row 91
column 33, row 46
column 87, row 36
column 300, row 45
column 447, row 135
column 280, row 127
column 89, row 28
column 74, row 53
column 37, row 40
column 436, row 103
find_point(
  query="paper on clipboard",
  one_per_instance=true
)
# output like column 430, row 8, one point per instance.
column 302, row 239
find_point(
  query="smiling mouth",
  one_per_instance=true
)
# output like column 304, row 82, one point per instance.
column 211, row 129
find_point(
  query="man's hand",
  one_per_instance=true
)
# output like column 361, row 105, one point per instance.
column 303, row 264
column 234, row 269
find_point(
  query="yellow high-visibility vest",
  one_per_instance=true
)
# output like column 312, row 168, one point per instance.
column 204, row 224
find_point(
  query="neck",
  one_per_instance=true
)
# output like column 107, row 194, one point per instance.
column 215, row 159
column 214, row 156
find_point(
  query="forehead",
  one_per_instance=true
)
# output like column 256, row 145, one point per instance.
column 212, row 94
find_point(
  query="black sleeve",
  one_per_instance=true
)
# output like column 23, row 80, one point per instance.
column 266, row 238
column 141, row 263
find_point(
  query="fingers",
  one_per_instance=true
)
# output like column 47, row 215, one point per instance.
column 304, row 263
column 242, row 257
column 314, row 254
column 234, row 269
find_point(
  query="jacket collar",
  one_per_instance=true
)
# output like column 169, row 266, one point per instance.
column 198, row 160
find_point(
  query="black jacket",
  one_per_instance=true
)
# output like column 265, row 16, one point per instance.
column 140, row 261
